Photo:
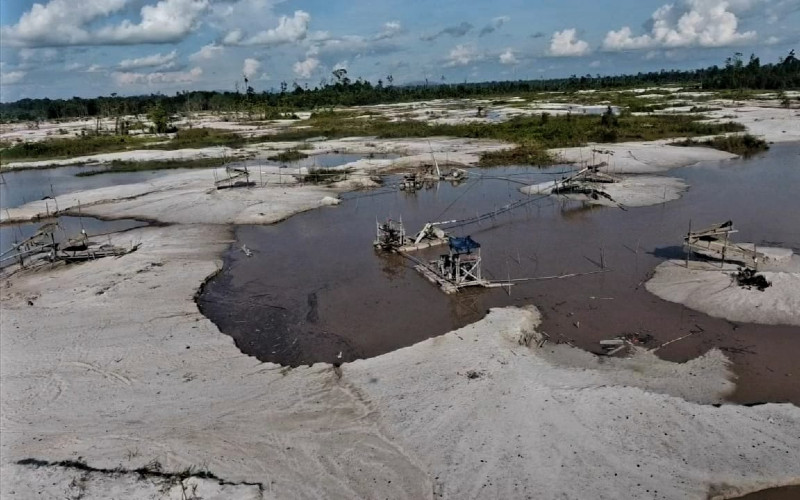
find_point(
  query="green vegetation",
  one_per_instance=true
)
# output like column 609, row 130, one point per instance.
column 118, row 166
column 160, row 118
column 326, row 175
column 67, row 148
column 744, row 145
column 202, row 138
column 533, row 135
column 736, row 75
column 288, row 155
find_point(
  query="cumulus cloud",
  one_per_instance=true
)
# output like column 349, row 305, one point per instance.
column 206, row 53
column 508, row 57
column 495, row 25
column 12, row 77
column 167, row 21
column 695, row 23
column 250, row 67
column 132, row 78
column 462, row 55
column 288, row 30
column 566, row 44
column 304, row 69
column 163, row 61
column 61, row 22
column 454, row 31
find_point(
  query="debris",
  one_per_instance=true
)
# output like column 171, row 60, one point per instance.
column 714, row 242
column 43, row 247
column 747, row 279
column 235, row 178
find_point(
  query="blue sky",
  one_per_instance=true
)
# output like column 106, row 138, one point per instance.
column 65, row 48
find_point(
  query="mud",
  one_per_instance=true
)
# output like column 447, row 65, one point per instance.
column 314, row 289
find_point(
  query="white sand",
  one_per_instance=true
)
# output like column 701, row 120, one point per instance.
column 771, row 123
column 630, row 191
column 640, row 157
column 113, row 363
column 710, row 288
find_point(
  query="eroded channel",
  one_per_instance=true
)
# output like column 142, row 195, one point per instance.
column 315, row 290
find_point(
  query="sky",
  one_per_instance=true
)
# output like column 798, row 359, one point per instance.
column 89, row 48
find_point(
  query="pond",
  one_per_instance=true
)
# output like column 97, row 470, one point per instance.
column 315, row 290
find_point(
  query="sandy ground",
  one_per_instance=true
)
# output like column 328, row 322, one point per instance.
column 111, row 363
column 709, row 288
column 640, row 157
column 136, row 155
column 630, row 191
column 474, row 413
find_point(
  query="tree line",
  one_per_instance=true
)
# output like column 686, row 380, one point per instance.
column 340, row 90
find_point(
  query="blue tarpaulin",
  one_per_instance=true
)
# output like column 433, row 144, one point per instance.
column 463, row 245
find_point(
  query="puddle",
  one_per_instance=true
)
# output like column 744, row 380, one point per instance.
column 315, row 290
column 19, row 187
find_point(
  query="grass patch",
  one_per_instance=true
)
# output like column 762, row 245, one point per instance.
column 326, row 175
column 66, row 148
column 743, row 145
column 533, row 135
column 703, row 109
column 118, row 166
column 288, row 155
column 202, row 138
column 524, row 154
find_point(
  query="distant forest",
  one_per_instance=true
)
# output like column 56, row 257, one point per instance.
column 340, row 90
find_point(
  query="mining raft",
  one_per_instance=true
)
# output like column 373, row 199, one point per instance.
column 43, row 247
column 391, row 236
column 457, row 269
column 715, row 242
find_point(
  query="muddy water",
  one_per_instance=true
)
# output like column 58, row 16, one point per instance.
column 314, row 289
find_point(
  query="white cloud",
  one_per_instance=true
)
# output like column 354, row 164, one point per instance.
column 508, row 57
column 63, row 22
column 594, row 64
column 304, row 69
column 131, row 78
column 94, row 68
column 73, row 66
column 289, row 29
column 166, row 21
column 772, row 40
column 12, row 77
column 696, row 23
column 566, row 43
column 462, row 55
column 58, row 22
column 250, row 67
column 206, row 53
column 164, row 61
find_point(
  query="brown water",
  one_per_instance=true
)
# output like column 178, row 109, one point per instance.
column 315, row 290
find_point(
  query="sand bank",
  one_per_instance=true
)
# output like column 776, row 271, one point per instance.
column 112, row 362
column 710, row 288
